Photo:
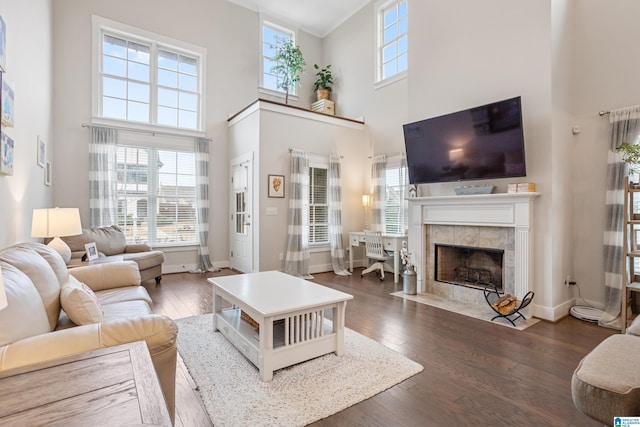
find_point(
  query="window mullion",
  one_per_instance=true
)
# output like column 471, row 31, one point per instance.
column 152, row 191
column 153, row 85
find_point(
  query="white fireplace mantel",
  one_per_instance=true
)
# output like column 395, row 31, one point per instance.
column 490, row 210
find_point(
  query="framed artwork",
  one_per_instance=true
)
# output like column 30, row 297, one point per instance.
column 6, row 154
column 276, row 186
column 47, row 174
column 7, row 104
column 42, row 151
column 3, row 45
column 92, row 251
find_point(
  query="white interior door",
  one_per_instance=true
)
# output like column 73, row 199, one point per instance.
column 241, row 226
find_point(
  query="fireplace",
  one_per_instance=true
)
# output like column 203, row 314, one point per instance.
column 473, row 267
column 502, row 221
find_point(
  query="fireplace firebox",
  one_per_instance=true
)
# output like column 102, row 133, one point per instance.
column 468, row 266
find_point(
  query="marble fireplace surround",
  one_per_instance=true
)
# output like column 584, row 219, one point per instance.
column 473, row 217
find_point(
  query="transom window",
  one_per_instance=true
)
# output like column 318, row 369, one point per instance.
column 146, row 78
column 157, row 195
column 273, row 36
column 393, row 42
column 318, row 206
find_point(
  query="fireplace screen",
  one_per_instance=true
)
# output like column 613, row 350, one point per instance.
column 469, row 266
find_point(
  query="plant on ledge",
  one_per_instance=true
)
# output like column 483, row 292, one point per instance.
column 323, row 82
column 289, row 67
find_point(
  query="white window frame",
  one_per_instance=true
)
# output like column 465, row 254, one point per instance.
column 159, row 142
column 397, row 162
column 319, row 164
column 380, row 7
column 282, row 28
column 102, row 26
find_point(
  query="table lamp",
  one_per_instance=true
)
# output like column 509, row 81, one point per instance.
column 3, row 294
column 366, row 204
column 56, row 223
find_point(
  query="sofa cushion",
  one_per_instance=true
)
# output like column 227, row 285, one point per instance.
column 45, row 272
column 80, row 303
column 129, row 293
column 606, row 383
column 109, row 240
column 126, row 310
column 25, row 315
column 145, row 259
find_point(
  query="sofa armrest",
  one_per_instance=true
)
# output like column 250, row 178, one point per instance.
column 159, row 333
column 137, row 247
column 109, row 275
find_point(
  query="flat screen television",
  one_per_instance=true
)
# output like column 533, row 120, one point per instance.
column 484, row 142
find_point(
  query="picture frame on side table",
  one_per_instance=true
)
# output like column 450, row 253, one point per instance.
column 92, row 251
column 41, row 152
column 276, row 186
column 47, row 174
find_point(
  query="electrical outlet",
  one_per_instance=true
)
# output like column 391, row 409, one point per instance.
column 281, row 257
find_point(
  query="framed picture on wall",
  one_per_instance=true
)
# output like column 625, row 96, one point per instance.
column 41, row 152
column 276, row 186
column 6, row 154
column 47, row 174
column 3, row 45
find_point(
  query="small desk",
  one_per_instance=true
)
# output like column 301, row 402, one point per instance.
column 392, row 243
column 98, row 388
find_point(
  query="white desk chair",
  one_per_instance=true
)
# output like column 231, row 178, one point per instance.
column 375, row 250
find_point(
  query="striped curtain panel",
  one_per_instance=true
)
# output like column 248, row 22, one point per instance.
column 335, row 217
column 103, row 197
column 297, row 257
column 624, row 125
column 379, row 195
column 202, row 200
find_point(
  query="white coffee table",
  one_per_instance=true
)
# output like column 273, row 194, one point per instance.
column 291, row 314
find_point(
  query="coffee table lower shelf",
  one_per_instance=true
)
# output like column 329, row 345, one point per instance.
column 308, row 337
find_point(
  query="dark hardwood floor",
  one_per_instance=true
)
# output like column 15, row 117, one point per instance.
column 475, row 372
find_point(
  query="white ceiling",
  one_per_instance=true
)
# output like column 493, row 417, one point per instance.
column 318, row 17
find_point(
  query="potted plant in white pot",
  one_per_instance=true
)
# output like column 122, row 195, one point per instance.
column 323, row 82
column 289, row 67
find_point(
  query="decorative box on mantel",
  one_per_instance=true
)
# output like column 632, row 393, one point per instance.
column 323, row 106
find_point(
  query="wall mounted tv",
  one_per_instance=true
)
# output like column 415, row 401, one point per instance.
column 484, row 142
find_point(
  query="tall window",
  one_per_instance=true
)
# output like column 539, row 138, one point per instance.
column 147, row 78
column 273, row 36
column 396, row 205
column 318, row 206
column 393, row 42
column 157, row 195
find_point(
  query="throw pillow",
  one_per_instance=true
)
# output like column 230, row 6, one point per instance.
column 80, row 303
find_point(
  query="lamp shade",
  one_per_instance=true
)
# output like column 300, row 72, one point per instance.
column 56, row 222
column 3, row 294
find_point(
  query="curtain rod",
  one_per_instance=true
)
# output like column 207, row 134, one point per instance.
column 152, row 132
column 315, row 154
column 604, row 113
column 401, row 153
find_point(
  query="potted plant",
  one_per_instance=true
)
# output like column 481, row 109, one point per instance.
column 289, row 67
column 630, row 155
column 323, row 81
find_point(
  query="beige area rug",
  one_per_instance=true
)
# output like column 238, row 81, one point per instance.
column 471, row 310
column 234, row 394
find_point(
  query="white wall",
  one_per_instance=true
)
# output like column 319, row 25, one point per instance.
column 231, row 36
column 29, row 54
column 605, row 77
column 465, row 53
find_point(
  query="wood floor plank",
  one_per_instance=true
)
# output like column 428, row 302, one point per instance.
column 476, row 372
